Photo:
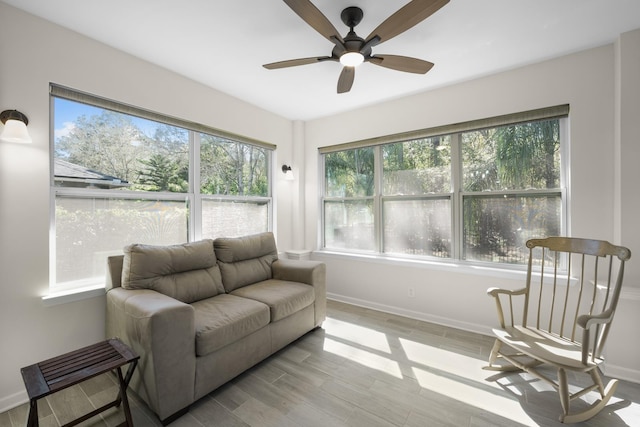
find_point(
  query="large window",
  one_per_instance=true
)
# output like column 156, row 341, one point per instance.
column 123, row 175
column 472, row 191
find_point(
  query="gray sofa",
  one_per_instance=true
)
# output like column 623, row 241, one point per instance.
column 201, row 313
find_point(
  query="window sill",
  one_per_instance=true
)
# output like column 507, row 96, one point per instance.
column 64, row 297
column 502, row 271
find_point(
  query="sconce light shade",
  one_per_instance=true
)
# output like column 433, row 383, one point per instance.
column 288, row 173
column 15, row 127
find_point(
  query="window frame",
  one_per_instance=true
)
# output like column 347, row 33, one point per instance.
column 193, row 198
column 456, row 196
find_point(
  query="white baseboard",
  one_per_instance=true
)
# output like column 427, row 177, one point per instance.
column 627, row 374
column 418, row 315
column 630, row 293
column 13, row 400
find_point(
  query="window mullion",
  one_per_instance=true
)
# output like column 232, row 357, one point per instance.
column 378, row 219
column 321, row 225
column 564, row 184
column 195, row 198
column 456, row 196
column 270, row 178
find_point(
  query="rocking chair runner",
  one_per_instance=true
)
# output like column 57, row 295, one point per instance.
column 567, row 306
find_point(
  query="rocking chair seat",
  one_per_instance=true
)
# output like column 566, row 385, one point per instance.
column 546, row 347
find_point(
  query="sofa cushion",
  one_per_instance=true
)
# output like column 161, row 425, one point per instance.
column 283, row 298
column 245, row 260
column 187, row 272
column 224, row 319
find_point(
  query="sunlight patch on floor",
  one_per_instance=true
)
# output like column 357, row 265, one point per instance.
column 363, row 357
column 513, row 390
column 365, row 337
column 486, row 400
column 630, row 413
column 448, row 361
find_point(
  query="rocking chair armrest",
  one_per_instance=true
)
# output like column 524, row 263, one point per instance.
column 587, row 321
column 494, row 292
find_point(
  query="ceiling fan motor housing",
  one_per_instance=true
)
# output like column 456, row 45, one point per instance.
column 351, row 16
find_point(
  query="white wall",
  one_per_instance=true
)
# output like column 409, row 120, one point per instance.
column 456, row 295
column 33, row 53
column 627, row 206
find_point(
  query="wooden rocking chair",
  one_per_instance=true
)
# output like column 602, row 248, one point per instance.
column 567, row 306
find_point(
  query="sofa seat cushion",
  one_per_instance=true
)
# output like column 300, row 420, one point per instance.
column 283, row 298
column 224, row 319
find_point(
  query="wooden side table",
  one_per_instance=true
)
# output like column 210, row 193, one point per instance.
column 58, row 373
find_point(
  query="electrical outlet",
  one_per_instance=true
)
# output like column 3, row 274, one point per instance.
column 411, row 292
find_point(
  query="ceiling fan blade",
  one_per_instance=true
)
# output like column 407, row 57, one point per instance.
column 406, row 17
column 312, row 16
column 346, row 79
column 402, row 63
column 296, row 62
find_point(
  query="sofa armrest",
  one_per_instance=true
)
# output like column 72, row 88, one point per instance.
column 313, row 273
column 114, row 271
column 162, row 331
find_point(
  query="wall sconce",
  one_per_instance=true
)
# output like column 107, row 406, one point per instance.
column 15, row 127
column 288, row 173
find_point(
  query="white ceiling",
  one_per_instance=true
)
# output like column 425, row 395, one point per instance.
column 223, row 43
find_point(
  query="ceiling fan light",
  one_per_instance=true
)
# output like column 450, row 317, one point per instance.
column 352, row 59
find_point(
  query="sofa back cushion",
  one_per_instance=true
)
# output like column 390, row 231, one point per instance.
column 188, row 272
column 245, row 260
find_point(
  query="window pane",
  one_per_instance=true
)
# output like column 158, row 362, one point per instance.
column 500, row 185
column 349, row 224
column 418, row 227
column 90, row 229
column 232, row 168
column 98, row 152
column 516, row 157
column 496, row 228
column 223, row 218
column 349, row 173
column 98, row 148
column 420, row 166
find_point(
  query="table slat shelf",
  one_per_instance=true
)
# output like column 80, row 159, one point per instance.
column 49, row 376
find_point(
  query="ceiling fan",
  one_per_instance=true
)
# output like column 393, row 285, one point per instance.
column 352, row 50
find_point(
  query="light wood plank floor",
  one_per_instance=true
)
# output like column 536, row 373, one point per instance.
column 363, row 368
